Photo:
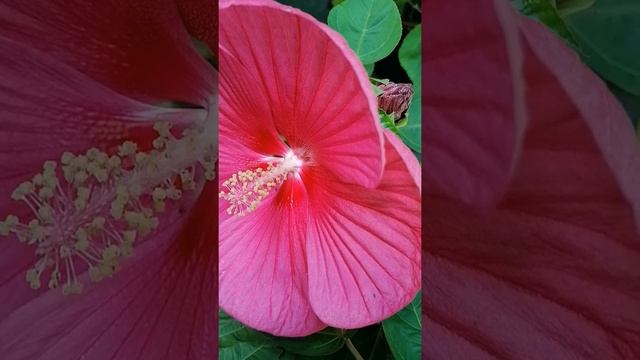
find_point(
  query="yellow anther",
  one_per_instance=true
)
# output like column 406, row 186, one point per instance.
column 174, row 194
column 54, row 281
column 117, row 209
column 66, row 158
column 158, row 143
column 163, row 128
column 80, row 177
column 80, row 203
column 49, row 166
column 110, row 253
column 45, row 213
column 101, row 175
column 22, row 190
column 80, row 162
column 141, row 157
column 91, row 153
column 98, row 223
column 159, row 194
column 83, row 193
column 129, row 236
column 45, row 193
column 33, row 278
column 114, row 162
column 128, row 148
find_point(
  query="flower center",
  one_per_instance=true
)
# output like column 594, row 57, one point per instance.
column 89, row 211
column 245, row 190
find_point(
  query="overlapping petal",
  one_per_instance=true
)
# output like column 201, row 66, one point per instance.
column 472, row 129
column 284, row 73
column 551, row 272
column 363, row 245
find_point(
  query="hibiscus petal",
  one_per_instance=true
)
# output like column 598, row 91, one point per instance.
column 472, row 129
column 553, row 271
column 201, row 19
column 284, row 73
column 263, row 271
column 603, row 118
column 363, row 245
column 140, row 49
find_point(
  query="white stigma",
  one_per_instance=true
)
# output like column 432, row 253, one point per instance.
column 245, row 190
column 89, row 212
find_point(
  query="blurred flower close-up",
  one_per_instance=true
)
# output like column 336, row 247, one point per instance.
column 532, row 204
column 108, row 117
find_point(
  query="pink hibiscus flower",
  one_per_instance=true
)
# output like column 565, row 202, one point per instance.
column 104, row 181
column 320, row 208
column 532, row 205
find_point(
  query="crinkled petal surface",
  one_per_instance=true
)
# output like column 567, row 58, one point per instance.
column 285, row 74
column 472, row 129
column 364, row 244
column 552, row 272
column 263, row 267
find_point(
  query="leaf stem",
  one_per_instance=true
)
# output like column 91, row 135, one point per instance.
column 353, row 350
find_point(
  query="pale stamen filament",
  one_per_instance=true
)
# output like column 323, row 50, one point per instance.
column 103, row 206
column 245, row 190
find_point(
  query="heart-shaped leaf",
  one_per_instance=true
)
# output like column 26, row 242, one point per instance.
column 404, row 331
column 324, row 342
column 410, row 56
column 371, row 27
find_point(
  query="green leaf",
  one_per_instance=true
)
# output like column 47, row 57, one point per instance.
column 369, row 68
column 324, row 342
column 568, row 7
column 237, row 342
column 316, row 8
column 388, row 122
column 369, row 341
column 249, row 351
column 410, row 56
column 546, row 12
column 411, row 134
column 608, row 35
column 376, row 90
column 630, row 102
column 371, row 27
column 404, row 331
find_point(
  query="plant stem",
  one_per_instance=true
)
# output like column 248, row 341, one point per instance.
column 353, row 350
